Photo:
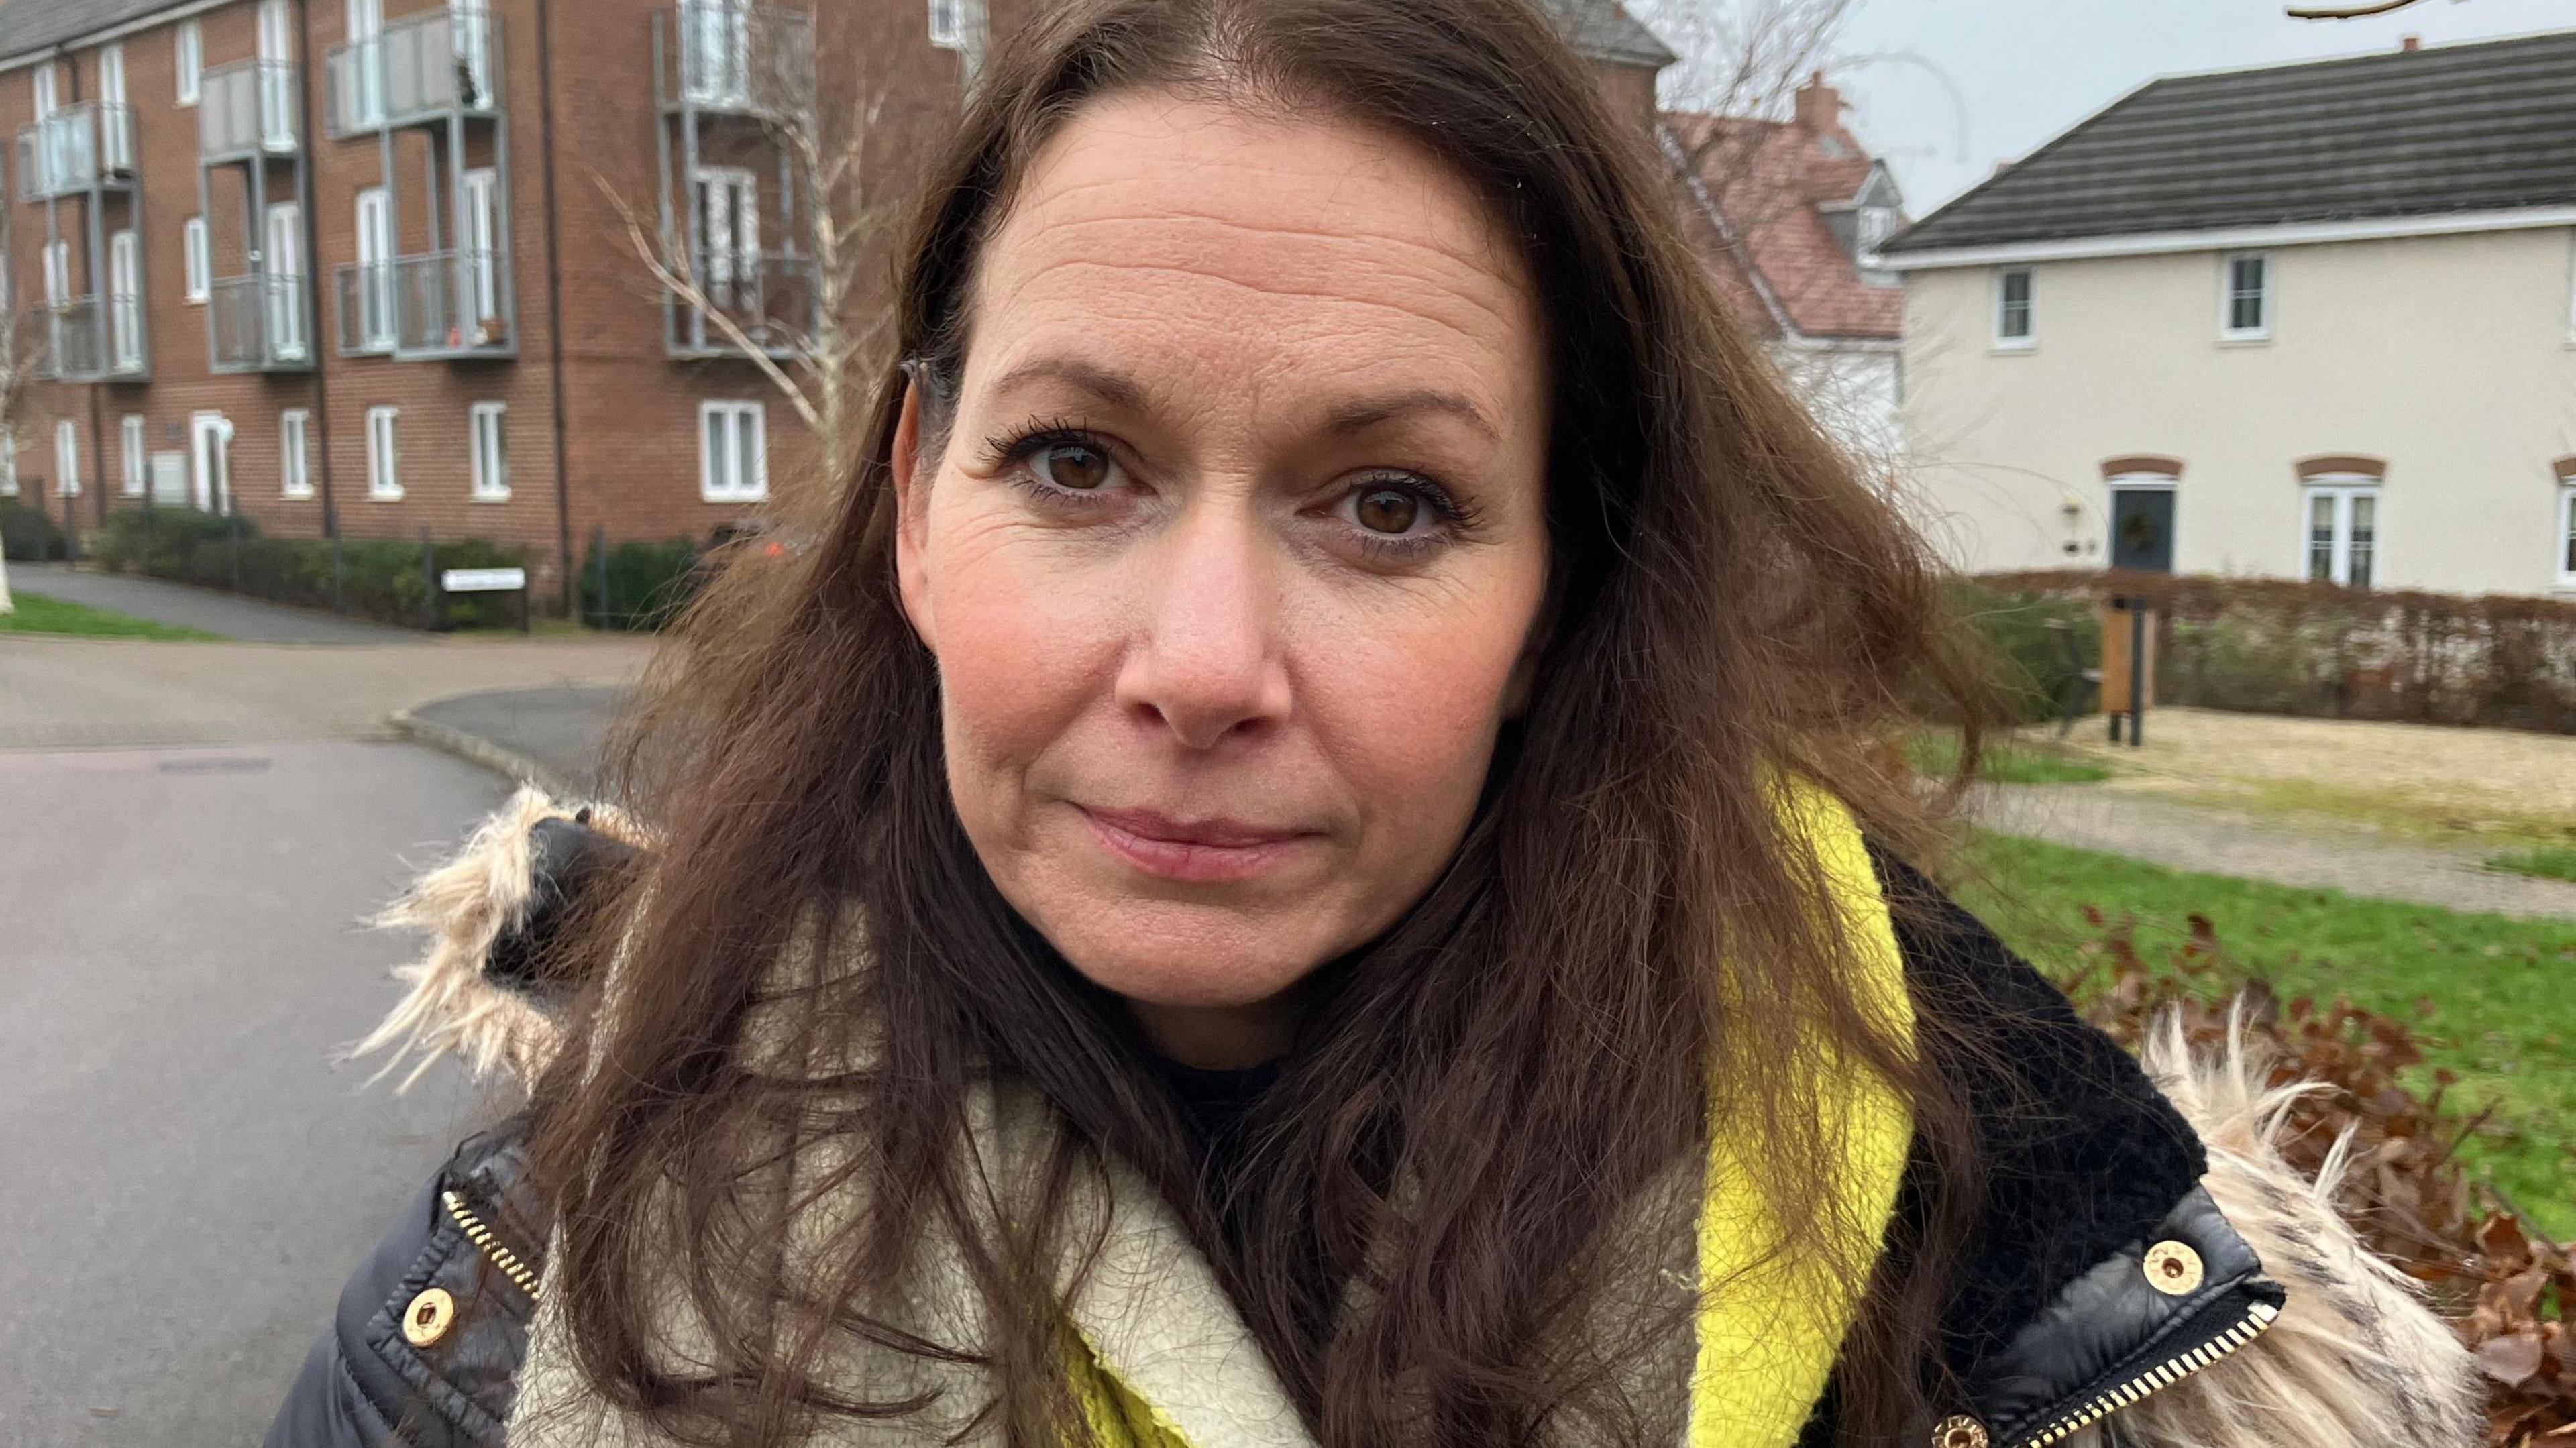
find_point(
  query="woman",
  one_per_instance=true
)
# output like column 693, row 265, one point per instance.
column 1290, row 868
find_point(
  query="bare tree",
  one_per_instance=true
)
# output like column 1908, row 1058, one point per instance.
column 21, row 361
column 804, row 317
column 1743, row 61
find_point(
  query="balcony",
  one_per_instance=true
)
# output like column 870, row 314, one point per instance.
column 85, row 341
column 248, row 109
column 257, row 323
column 768, row 295
column 424, row 67
column 78, row 148
column 437, row 304
column 736, row 58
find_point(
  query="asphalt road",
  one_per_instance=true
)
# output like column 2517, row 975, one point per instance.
column 186, row 1178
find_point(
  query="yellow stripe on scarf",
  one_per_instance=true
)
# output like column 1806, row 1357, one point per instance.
column 1770, row 1327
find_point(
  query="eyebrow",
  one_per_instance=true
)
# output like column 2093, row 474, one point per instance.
column 1117, row 390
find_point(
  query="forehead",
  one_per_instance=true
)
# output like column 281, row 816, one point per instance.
column 1221, row 237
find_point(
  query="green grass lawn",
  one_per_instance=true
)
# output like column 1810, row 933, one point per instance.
column 2549, row 862
column 2006, row 761
column 2502, row 991
column 38, row 614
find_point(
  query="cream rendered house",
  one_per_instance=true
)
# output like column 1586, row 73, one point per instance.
column 2311, row 321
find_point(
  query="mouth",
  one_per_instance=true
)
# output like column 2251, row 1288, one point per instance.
column 1204, row 850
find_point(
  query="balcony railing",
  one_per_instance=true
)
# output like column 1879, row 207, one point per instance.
column 436, row 304
column 768, row 295
column 75, row 149
column 421, row 67
column 248, row 107
column 257, row 323
column 726, row 57
column 86, row 339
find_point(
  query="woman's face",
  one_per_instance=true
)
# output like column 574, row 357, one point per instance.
column 1232, row 554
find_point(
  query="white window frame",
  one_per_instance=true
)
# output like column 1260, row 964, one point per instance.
column 948, row 24
column 2029, row 338
column 374, row 219
column 2266, row 297
column 196, row 263
column 130, row 459
column 124, row 300
column 487, row 446
column 730, row 418
column 384, row 455
column 188, row 51
column 2343, row 488
column 294, row 454
column 2566, row 532
column 58, row 273
column 8, row 464
column 479, row 229
column 67, row 479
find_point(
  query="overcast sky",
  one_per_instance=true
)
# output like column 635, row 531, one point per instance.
column 2022, row 71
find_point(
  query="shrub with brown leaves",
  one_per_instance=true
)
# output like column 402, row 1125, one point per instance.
column 2506, row 1289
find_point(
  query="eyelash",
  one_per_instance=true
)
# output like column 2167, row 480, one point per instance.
column 1458, row 519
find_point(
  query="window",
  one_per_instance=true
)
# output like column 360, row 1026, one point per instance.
column 489, row 437
column 191, row 48
column 2566, row 529
column 2015, row 324
column 192, row 240
column 292, row 479
column 2343, row 529
column 733, row 456
column 482, row 246
column 384, row 479
column 125, row 301
column 947, row 23
column 42, row 86
column 2245, row 299
column 66, row 458
column 58, row 273
column 129, row 453
column 8, row 465
column 1871, row 228
column 729, row 207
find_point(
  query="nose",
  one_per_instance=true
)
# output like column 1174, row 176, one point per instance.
column 1205, row 663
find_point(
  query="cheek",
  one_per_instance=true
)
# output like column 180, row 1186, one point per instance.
column 1023, row 648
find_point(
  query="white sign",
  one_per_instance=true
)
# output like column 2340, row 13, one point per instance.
column 482, row 580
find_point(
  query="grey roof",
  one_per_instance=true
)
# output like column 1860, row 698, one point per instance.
column 27, row 25
column 2482, row 127
column 1598, row 28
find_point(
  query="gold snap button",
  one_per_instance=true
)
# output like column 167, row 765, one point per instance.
column 1961, row 1431
column 2172, row 1268
column 429, row 1317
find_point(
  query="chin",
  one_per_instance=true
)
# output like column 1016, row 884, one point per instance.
column 1190, row 961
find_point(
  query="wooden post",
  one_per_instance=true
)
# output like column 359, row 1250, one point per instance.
column 2128, row 631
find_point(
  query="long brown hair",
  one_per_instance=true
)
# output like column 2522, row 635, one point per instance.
column 1475, row 1100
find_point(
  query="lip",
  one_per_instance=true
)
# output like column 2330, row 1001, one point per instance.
column 1204, row 851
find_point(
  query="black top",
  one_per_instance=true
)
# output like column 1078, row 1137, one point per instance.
column 1215, row 1103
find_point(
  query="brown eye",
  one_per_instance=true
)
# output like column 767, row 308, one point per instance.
column 1075, row 466
column 1388, row 510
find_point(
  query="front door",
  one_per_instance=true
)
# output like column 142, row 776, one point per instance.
column 470, row 27
column 375, row 270
column 284, row 281
column 481, row 240
column 115, row 125
column 729, row 256
column 210, row 466
column 2142, row 529
column 125, row 301
column 366, row 103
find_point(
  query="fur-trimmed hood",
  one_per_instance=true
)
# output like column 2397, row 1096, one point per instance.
column 2150, row 1272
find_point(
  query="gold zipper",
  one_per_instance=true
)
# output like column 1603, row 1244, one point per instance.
column 2258, row 1316
column 481, row 1235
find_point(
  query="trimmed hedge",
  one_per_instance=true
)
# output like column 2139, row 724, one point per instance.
column 27, row 534
column 2032, row 673
column 647, row 584
column 2271, row 646
column 383, row 578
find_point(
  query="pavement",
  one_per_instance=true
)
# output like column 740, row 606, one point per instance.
column 227, row 615
column 2225, row 842
column 189, row 1175
column 191, row 835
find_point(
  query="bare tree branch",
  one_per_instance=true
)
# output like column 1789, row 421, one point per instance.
column 2346, row 12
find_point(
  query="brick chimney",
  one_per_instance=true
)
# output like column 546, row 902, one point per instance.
column 1819, row 106
column 2411, row 42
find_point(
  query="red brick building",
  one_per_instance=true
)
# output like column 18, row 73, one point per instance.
column 370, row 265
